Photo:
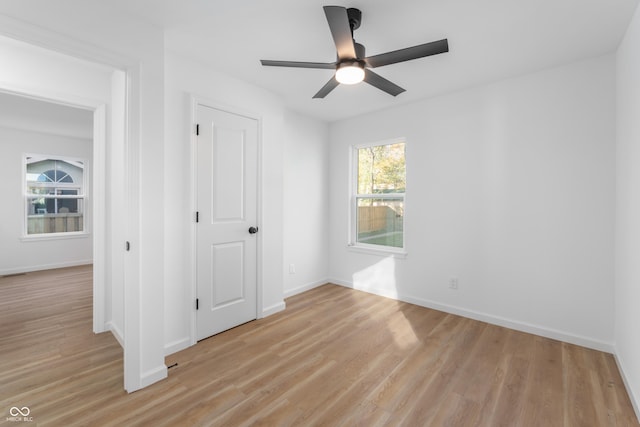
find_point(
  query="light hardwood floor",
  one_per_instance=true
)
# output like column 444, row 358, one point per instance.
column 334, row 357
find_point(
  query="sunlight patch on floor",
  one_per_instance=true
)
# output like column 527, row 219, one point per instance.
column 380, row 279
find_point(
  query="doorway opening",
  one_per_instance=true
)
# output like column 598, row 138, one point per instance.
column 66, row 83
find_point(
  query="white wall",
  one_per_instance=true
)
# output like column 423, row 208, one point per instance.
column 306, row 203
column 184, row 78
column 511, row 190
column 627, row 300
column 21, row 255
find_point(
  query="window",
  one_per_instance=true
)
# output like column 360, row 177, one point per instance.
column 378, row 196
column 54, row 195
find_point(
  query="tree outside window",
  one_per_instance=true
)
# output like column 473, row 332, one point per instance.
column 379, row 195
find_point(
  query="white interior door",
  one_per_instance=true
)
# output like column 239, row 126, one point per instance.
column 226, row 197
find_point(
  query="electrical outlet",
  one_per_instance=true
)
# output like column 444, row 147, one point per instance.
column 453, row 283
column 292, row 269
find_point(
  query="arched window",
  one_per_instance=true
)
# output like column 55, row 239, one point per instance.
column 55, row 175
column 55, row 195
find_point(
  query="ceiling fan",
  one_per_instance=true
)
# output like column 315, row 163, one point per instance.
column 352, row 66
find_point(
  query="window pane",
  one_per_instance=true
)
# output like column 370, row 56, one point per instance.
column 39, row 190
column 62, row 206
column 381, row 169
column 54, row 170
column 36, row 206
column 52, row 190
column 54, row 216
column 380, row 221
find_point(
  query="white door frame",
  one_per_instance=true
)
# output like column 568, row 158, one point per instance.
column 60, row 43
column 191, row 308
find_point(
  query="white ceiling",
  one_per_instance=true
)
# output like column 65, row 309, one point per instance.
column 489, row 40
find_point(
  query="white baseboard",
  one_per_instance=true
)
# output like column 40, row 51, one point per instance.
column 488, row 318
column 153, row 376
column 116, row 332
column 304, row 288
column 177, row 345
column 185, row 342
column 30, row 268
column 268, row 311
column 623, row 373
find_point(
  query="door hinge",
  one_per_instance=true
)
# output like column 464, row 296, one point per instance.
column 197, row 303
column 197, row 129
column 197, row 216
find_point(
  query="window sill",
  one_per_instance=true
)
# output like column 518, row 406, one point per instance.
column 396, row 253
column 55, row 236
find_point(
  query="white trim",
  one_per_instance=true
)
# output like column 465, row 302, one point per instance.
column 95, row 186
column 30, row 268
column 55, row 236
column 116, row 332
column 195, row 101
column 260, row 310
column 389, row 141
column 58, row 42
column 133, row 376
column 383, row 251
column 177, row 345
column 55, row 97
column 275, row 308
column 305, row 288
column 623, row 373
column 153, row 376
column 488, row 318
column 193, row 196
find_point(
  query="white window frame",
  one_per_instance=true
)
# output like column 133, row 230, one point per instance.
column 353, row 243
column 82, row 195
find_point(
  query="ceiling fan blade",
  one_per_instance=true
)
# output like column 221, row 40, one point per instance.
column 381, row 83
column 295, row 64
column 407, row 54
column 331, row 85
column 341, row 31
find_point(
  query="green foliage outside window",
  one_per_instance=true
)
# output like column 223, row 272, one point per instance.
column 381, row 169
column 381, row 184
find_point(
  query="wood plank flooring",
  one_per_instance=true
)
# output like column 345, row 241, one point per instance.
column 335, row 357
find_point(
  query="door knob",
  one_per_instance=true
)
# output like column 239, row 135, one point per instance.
column 253, row 230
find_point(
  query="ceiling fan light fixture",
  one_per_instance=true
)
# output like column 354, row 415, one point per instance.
column 352, row 66
column 350, row 72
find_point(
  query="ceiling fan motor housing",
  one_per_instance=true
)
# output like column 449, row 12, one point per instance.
column 355, row 18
